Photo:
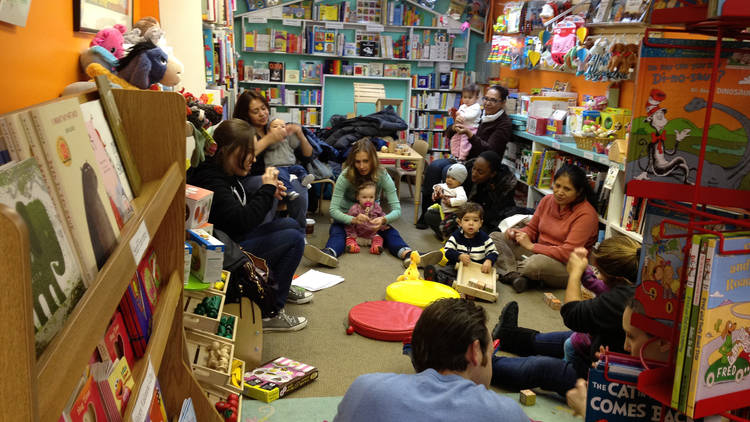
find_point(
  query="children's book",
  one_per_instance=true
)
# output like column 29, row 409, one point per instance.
column 56, row 280
column 136, row 315
column 62, row 135
column 721, row 361
column 150, row 278
column 114, row 178
column 88, row 405
column 276, row 71
column 291, row 75
column 116, row 344
column 668, row 121
column 310, row 71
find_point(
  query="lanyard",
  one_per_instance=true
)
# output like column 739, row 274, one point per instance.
column 242, row 198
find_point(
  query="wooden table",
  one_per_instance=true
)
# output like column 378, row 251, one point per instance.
column 419, row 160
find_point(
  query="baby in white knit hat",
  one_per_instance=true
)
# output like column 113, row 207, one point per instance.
column 450, row 197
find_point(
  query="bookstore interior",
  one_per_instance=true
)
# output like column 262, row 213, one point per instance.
column 138, row 311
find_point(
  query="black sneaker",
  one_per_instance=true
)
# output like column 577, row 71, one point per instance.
column 522, row 283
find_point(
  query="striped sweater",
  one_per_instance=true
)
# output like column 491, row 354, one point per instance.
column 479, row 247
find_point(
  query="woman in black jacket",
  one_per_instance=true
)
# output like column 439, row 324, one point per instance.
column 493, row 133
column 240, row 215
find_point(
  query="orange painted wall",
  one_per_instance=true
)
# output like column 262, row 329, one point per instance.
column 40, row 59
column 529, row 79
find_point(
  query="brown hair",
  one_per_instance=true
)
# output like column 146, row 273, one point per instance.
column 242, row 108
column 617, row 259
column 471, row 207
column 365, row 185
column 230, row 135
column 363, row 145
column 472, row 89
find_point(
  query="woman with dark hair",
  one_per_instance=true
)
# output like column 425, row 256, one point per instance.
column 492, row 134
column 362, row 166
column 240, row 214
column 564, row 220
column 492, row 187
column 253, row 108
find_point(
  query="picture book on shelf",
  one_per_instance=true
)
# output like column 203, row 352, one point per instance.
column 669, row 116
column 108, row 160
column 721, row 360
column 56, row 279
column 310, row 71
column 62, row 135
column 88, row 405
column 276, row 70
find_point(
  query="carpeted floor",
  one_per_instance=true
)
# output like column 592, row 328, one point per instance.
column 341, row 357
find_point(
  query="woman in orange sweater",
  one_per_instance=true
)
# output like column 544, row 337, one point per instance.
column 563, row 221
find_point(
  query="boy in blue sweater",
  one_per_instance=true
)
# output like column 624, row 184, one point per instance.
column 468, row 243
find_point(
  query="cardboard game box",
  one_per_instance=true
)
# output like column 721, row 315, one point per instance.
column 208, row 256
column 277, row 378
column 197, row 204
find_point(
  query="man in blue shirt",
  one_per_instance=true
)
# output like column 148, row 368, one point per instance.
column 451, row 352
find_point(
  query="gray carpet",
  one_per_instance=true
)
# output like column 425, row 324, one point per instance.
column 341, row 357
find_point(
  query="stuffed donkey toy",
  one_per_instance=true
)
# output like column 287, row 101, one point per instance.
column 144, row 65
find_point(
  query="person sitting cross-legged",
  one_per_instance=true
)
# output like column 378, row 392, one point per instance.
column 451, row 352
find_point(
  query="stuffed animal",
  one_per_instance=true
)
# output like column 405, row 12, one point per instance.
column 146, row 29
column 111, row 40
column 629, row 59
column 147, row 64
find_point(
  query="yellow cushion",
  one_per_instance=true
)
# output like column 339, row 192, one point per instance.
column 418, row 292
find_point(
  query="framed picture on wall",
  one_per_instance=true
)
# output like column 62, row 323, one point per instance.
column 95, row 15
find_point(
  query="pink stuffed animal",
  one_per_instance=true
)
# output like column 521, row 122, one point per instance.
column 111, row 39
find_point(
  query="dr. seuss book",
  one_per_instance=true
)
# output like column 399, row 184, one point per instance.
column 62, row 135
column 721, row 361
column 668, row 122
column 56, row 281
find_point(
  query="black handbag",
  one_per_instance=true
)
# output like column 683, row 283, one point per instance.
column 249, row 276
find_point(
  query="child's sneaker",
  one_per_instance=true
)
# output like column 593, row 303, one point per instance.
column 351, row 245
column 292, row 195
column 377, row 245
column 307, row 180
column 284, row 322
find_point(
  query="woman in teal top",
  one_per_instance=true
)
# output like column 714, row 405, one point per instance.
column 360, row 166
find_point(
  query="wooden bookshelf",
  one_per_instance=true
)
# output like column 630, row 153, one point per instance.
column 39, row 389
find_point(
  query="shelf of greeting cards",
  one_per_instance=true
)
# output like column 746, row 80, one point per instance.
column 281, row 83
column 569, row 147
column 60, row 365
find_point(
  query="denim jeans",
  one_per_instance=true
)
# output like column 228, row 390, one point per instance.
column 434, row 173
column 337, row 239
column 296, row 209
column 280, row 243
column 545, row 369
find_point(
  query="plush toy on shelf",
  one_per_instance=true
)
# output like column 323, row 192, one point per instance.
column 146, row 29
column 144, row 66
column 105, row 48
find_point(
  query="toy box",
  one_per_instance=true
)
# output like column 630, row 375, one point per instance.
column 536, row 125
column 277, row 378
column 471, row 281
column 556, row 123
column 617, row 119
column 197, row 206
column 574, row 120
column 208, row 256
column 540, row 106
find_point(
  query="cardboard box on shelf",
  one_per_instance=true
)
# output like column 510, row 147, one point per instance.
column 198, row 205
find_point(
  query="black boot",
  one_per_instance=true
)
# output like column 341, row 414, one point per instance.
column 517, row 340
column 522, row 283
column 509, row 277
column 508, row 319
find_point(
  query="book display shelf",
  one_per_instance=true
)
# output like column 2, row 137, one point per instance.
column 690, row 200
column 429, row 117
column 293, row 45
column 39, row 388
column 219, row 50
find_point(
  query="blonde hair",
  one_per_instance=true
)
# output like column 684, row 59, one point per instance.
column 617, row 259
column 351, row 173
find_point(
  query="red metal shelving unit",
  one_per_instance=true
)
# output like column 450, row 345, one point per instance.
column 656, row 382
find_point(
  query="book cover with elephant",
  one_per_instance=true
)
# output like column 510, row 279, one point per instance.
column 669, row 116
column 56, row 281
column 88, row 210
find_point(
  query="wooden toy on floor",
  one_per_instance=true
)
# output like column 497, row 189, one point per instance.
column 552, row 301
column 528, row 398
column 472, row 281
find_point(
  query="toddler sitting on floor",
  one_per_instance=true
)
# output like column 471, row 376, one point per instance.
column 450, row 197
column 365, row 205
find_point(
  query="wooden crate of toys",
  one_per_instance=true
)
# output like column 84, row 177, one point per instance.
column 210, row 359
column 202, row 312
column 226, row 402
column 471, row 281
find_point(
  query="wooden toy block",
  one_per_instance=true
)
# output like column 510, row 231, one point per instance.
column 548, row 297
column 552, row 301
column 528, row 398
column 471, row 281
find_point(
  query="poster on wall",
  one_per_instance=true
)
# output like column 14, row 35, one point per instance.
column 15, row 12
column 669, row 117
column 95, row 15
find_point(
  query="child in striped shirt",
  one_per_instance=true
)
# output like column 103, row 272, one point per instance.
column 467, row 244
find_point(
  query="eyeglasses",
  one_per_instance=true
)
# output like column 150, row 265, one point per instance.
column 490, row 100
